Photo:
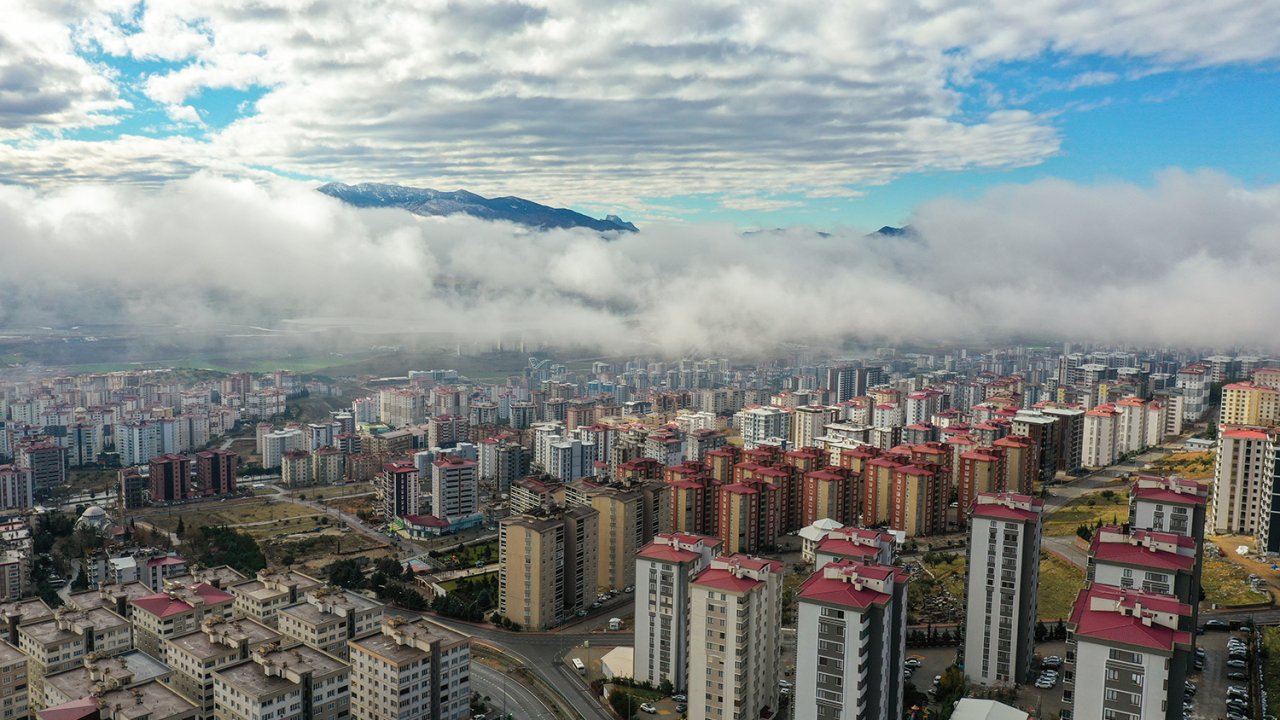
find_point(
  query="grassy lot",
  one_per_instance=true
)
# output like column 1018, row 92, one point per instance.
column 948, row 571
column 1226, row 583
column 1109, row 506
column 451, row 585
column 325, row 492
column 81, row 480
column 1191, row 465
column 316, row 408
column 232, row 513
column 1060, row 581
column 1271, row 667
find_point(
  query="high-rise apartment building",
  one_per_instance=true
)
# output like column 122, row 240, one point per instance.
column 176, row 611
column 630, row 515
column 547, row 566
column 1126, row 656
column 1245, row 484
column 328, row 617
column 455, row 490
column 195, row 656
column 760, row 425
column 410, row 670
column 15, row 488
column 400, row 489
column 283, row 682
column 216, row 472
column 664, row 569
column 735, row 635
column 1002, row 587
column 851, row 640
column 170, row 478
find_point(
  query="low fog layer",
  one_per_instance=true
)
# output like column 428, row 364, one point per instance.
column 1191, row 260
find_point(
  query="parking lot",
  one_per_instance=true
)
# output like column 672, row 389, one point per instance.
column 1212, row 682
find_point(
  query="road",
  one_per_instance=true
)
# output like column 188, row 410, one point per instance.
column 506, row 695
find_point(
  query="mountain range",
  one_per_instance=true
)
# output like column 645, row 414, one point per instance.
column 428, row 202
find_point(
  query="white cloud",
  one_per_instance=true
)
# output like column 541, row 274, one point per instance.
column 571, row 101
column 1188, row 261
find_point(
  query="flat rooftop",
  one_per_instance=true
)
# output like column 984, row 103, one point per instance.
column 30, row 609
column 248, row 676
column 199, row 645
column 10, row 654
column 136, row 664
column 149, row 700
column 47, row 631
column 105, row 596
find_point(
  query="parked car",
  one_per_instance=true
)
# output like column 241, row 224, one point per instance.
column 1237, row 676
column 1237, row 664
column 679, row 698
column 1217, row 625
column 648, row 708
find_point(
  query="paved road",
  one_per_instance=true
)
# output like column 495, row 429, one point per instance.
column 506, row 695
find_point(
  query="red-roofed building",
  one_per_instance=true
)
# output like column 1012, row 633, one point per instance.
column 854, row 543
column 735, row 638
column 829, row 493
column 979, row 471
column 1126, row 654
column 919, row 504
column 1147, row 560
column 852, row 622
column 664, row 569
column 178, row 610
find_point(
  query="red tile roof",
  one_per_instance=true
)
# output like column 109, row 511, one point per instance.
column 666, row 553
column 842, row 591
column 1116, row 621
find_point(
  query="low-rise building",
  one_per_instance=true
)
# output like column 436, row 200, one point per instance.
column 62, row 641
column 178, row 610
column 194, row 657
column 13, row 683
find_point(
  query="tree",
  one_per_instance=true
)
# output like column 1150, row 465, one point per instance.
column 181, row 530
column 212, row 546
column 624, row 703
column 1042, row 632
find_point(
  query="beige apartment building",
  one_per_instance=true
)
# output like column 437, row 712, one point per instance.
column 410, row 670
column 194, row 657
column 547, row 566
column 100, row 672
column 283, row 683
column 735, row 639
column 328, row 617
column 13, row 683
column 178, row 610
column 631, row 514
column 61, row 642
column 261, row 598
column 148, row 701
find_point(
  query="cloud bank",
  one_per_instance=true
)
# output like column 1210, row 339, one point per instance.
column 1191, row 261
column 584, row 101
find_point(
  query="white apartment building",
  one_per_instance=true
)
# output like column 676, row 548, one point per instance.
column 409, row 671
column 138, row 442
column 1126, row 657
column 851, row 640
column 1004, row 575
column 809, row 422
column 568, row 460
column 735, row 634
column 1100, row 437
column 1194, row 383
column 761, row 425
column 854, row 543
column 283, row 683
column 455, row 489
column 664, row 569
column 276, row 444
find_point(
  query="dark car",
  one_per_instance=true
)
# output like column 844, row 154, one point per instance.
column 1217, row 625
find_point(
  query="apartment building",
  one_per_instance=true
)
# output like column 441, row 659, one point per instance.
column 195, row 656
column 1245, row 484
column 261, row 598
column 328, row 617
column 854, row 543
column 295, row 468
column 1151, row 561
column 178, row 610
column 399, row 488
column 283, row 682
column 1126, row 656
column 664, row 569
column 630, row 515
column 99, row 673
column 1002, row 587
column 762, row 425
column 410, row 670
column 919, row 501
column 62, row 641
column 455, row 490
column 548, row 566
column 852, row 628
column 216, row 472
column 13, row 683
column 170, row 478
column 735, row 633
column 148, row 701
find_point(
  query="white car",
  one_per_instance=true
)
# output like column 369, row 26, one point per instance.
column 649, row 708
column 784, row 683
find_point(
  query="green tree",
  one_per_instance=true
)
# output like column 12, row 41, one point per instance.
column 624, row 703
column 346, row 573
column 218, row 545
column 181, row 530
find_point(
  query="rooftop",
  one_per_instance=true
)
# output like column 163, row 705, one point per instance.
column 216, row 639
column 1129, row 617
column 47, row 631
column 251, row 678
column 851, row 584
column 131, row 668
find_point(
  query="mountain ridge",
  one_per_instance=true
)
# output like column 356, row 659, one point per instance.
column 436, row 203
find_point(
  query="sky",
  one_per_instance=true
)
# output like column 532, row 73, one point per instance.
column 757, row 114
column 1089, row 171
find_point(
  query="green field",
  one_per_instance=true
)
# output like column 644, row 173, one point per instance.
column 1108, row 506
column 1060, row 581
column 1271, row 667
column 1226, row 583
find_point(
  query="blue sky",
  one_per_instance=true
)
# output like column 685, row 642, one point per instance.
column 795, row 114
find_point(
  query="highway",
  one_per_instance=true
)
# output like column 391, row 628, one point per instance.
column 506, row 695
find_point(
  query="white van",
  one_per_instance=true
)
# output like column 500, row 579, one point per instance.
column 579, row 666
column 615, row 623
